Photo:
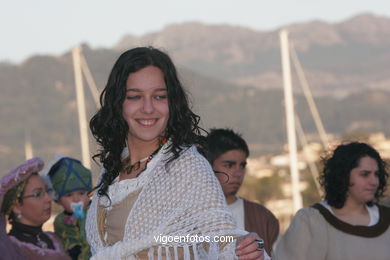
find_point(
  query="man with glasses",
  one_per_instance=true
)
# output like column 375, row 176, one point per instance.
column 227, row 152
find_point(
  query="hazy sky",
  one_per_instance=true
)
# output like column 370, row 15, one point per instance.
column 29, row 27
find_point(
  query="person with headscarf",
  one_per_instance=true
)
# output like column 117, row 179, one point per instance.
column 25, row 199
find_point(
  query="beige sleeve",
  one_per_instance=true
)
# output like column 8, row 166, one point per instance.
column 305, row 239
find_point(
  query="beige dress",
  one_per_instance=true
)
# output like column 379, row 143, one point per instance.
column 182, row 198
column 315, row 233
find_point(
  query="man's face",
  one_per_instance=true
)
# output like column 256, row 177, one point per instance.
column 230, row 170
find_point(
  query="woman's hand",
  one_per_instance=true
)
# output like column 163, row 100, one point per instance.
column 248, row 248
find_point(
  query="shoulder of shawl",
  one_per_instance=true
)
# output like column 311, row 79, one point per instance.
column 192, row 161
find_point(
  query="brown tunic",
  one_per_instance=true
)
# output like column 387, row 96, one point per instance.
column 260, row 220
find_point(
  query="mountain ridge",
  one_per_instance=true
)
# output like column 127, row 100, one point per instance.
column 228, row 89
column 252, row 58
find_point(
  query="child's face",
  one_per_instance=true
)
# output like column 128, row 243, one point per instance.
column 75, row 196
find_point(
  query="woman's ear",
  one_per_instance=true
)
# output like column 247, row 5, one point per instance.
column 17, row 209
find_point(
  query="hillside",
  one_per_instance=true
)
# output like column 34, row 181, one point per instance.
column 337, row 58
column 232, row 74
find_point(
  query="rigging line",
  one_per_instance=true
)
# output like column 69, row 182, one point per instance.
column 312, row 166
column 309, row 98
column 89, row 78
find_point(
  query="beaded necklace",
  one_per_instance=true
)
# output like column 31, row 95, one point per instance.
column 128, row 168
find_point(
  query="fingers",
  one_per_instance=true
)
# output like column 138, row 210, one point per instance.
column 257, row 255
column 248, row 247
column 246, row 240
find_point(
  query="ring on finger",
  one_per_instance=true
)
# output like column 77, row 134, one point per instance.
column 260, row 244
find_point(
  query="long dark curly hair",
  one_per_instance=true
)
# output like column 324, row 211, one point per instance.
column 337, row 168
column 110, row 129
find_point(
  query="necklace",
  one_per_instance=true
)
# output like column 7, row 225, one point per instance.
column 40, row 243
column 128, row 168
column 145, row 159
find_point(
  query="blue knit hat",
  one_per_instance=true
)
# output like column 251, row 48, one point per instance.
column 68, row 175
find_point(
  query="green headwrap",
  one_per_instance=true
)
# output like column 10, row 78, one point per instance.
column 68, row 175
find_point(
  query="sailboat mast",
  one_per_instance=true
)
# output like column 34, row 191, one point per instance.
column 28, row 149
column 76, row 52
column 290, row 120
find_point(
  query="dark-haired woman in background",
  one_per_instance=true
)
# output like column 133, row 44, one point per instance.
column 156, row 193
column 348, row 224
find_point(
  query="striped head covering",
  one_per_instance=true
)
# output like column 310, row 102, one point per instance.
column 68, row 175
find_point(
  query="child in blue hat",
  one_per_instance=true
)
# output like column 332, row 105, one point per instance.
column 71, row 182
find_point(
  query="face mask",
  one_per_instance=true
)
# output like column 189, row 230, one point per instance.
column 78, row 210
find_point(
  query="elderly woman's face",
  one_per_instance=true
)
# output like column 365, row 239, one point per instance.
column 35, row 207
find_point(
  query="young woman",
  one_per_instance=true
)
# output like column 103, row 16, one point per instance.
column 156, row 196
column 348, row 224
column 25, row 199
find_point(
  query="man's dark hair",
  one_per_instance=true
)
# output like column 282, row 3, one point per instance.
column 220, row 141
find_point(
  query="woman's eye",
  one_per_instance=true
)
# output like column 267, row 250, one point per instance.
column 159, row 97
column 133, row 97
column 38, row 194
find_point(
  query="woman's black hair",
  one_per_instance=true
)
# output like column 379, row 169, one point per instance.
column 337, row 168
column 110, row 128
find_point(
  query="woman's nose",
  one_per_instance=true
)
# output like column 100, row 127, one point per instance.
column 47, row 197
column 374, row 179
column 148, row 105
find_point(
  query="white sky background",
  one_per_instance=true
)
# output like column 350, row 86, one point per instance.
column 29, row 27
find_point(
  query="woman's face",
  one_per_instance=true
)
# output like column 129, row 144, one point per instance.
column 363, row 181
column 35, row 208
column 145, row 108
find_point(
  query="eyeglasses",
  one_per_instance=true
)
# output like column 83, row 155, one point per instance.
column 39, row 194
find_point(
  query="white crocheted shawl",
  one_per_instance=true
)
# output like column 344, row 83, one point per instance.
column 180, row 198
